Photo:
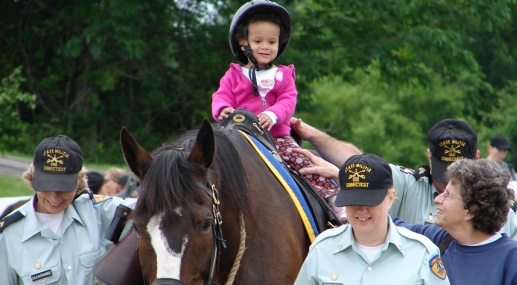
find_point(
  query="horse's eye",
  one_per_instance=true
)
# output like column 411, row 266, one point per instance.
column 206, row 225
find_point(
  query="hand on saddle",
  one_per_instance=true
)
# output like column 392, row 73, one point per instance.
column 225, row 112
column 320, row 166
column 265, row 121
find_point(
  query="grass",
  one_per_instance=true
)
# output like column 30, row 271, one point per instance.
column 13, row 186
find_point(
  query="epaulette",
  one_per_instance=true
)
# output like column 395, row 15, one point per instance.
column 422, row 171
column 9, row 220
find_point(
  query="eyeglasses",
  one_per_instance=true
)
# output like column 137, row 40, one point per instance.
column 447, row 195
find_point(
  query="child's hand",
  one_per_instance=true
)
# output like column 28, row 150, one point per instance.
column 265, row 121
column 225, row 112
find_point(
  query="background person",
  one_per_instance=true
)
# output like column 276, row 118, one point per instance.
column 472, row 210
column 130, row 186
column 58, row 236
column 370, row 249
column 497, row 151
column 95, row 181
column 111, row 177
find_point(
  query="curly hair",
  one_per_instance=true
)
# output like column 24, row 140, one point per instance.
column 264, row 17
column 483, row 187
column 81, row 185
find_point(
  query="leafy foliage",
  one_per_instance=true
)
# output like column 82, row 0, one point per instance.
column 13, row 130
column 377, row 73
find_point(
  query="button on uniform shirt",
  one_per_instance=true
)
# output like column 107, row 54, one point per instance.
column 31, row 253
column 406, row 258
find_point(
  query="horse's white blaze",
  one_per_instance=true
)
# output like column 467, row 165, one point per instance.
column 168, row 262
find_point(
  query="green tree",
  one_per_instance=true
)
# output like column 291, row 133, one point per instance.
column 153, row 65
column 13, row 102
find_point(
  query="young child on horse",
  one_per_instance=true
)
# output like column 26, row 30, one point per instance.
column 259, row 34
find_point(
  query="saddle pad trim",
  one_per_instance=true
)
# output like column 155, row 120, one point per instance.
column 296, row 196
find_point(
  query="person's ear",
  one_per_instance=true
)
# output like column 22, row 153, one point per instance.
column 468, row 215
column 243, row 42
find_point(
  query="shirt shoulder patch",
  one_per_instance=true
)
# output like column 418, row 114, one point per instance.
column 436, row 266
column 97, row 199
column 419, row 172
column 422, row 171
column 10, row 219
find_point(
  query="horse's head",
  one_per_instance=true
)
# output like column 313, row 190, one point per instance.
column 174, row 214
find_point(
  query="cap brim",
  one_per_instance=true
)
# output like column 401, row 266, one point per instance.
column 438, row 170
column 360, row 197
column 45, row 182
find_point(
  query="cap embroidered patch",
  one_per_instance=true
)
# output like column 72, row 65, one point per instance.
column 364, row 180
column 436, row 266
column 53, row 161
column 451, row 150
column 450, row 140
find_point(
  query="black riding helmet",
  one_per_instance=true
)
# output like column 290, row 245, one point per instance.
column 257, row 7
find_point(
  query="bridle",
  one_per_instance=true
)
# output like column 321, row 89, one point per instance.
column 217, row 236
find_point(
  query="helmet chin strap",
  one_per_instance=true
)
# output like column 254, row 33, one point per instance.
column 249, row 53
column 253, row 77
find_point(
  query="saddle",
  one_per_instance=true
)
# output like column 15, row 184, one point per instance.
column 247, row 122
column 121, row 264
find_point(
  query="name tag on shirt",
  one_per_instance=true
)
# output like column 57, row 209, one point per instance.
column 41, row 275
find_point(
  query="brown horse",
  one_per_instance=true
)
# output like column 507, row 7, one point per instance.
column 211, row 212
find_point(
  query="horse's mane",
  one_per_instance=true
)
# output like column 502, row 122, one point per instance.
column 171, row 175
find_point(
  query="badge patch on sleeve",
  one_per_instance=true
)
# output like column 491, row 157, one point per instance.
column 99, row 199
column 436, row 266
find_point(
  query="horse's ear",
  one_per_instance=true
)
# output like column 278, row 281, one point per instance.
column 204, row 149
column 137, row 158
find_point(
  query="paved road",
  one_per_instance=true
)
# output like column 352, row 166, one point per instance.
column 13, row 166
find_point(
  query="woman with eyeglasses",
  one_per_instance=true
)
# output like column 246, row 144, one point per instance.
column 470, row 213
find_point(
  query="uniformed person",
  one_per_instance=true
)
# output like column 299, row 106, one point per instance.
column 449, row 140
column 370, row 249
column 58, row 236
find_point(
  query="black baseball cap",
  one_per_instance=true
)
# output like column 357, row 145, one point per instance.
column 364, row 181
column 450, row 140
column 57, row 162
column 500, row 142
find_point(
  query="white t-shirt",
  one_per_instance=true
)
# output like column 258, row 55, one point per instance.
column 265, row 82
column 52, row 221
